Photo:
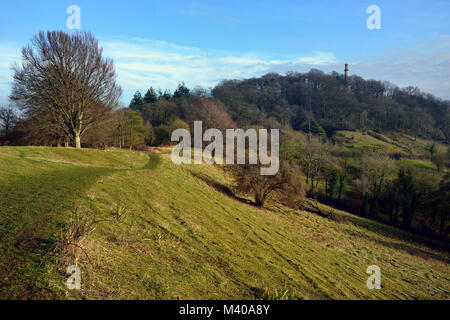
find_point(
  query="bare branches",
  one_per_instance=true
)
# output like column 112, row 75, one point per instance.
column 249, row 181
column 67, row 75
column 8, row 118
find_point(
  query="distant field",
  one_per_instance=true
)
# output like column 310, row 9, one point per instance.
column 417, row 146
column 358, row 140
column 420, row 164
column 388, row 143
column 168, row 232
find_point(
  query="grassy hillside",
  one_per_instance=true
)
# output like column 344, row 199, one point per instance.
column 392, row 142
column 159, row 231
column 357, row 140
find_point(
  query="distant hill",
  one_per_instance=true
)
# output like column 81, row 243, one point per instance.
column 296, row 99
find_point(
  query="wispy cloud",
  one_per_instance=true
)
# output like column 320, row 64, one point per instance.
column 214, row 13
column 427, row 67
column 9, row 54
column 141, row 63
column 424, row 66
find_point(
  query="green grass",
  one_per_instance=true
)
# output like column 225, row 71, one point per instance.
column 420, row 164
column 357, row 140
column 168, row 232
column 415, row 146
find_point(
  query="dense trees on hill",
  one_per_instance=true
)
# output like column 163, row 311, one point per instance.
column 314, row 102
column 298, row 99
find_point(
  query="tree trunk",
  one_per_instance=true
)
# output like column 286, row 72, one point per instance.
column 131, row 139
column 77, row 141
column 259, row 203
column 259, row 200
column 66, row 142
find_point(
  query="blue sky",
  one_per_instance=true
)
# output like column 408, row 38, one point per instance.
column 161, row 43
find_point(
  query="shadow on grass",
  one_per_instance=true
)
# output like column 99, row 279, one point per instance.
column 393, row 233
column 153, row 163
column 219, row 187
column 31, row 214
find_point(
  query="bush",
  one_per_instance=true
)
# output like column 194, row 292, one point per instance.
column 162, row 135
column 250, row 182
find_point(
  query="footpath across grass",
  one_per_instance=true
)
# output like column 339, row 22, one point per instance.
column 163, row 231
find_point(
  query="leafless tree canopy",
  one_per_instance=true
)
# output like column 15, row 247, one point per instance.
column 8, row 118
column 67, row 75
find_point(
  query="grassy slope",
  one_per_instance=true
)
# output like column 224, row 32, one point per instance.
column 357, row 140
column 415, row 146
column 392, row 142
column 181, row 237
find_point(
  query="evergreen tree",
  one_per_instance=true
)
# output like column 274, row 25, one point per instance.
column 137, row 102
column 182, row 91
column 333, row 185
column 317, row 128
column 432, row 149
column 166, row 95
column 150, row 96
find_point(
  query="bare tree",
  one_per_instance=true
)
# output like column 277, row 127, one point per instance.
column 8, row 118
column 250, row 182
column 376, row 170
column 67, row 75
column 40, row 128
column 312, row 162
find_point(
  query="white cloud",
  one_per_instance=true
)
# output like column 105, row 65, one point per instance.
column 9, row 53
column 424, row 66
column 141, row 63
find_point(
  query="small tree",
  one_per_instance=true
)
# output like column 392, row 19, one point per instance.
column 333, row 185
column 432, row 149
column 162, row 135
column 317, row 129
column 134, row 129
column 150, row 96
column 137, row 102
column 440, row 160
column 8, row 118
column 178, row 124
column 250, row 182
column 375, row 174
column 166, row 95
column 312, row 163
column 182, row 91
